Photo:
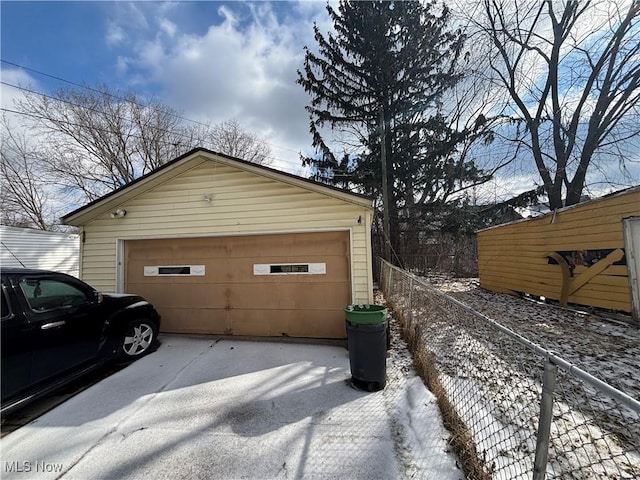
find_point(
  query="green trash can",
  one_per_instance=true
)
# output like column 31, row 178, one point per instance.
column 367, row 339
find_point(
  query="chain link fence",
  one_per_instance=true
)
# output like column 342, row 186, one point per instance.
column 516, row 410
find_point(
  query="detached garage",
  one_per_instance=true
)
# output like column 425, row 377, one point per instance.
column 224, row 246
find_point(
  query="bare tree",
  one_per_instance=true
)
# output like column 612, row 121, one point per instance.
column 230, row 138
column 24, row 196
column 572, row 75
column 91, row 141
column 97, row 140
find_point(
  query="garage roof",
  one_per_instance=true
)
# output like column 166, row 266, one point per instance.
column 187, row 161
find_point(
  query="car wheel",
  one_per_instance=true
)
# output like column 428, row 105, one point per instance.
column 138, row 339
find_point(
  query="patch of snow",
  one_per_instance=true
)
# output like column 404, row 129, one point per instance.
column 607, row 349
column 420, row 440
column 495, row 382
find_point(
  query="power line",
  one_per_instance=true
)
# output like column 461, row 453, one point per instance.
column 101, row 92
column 158, row 129
column 488, row 155
column 293, row 165
column 86, row 107
column 73, row 124
column 117, row 97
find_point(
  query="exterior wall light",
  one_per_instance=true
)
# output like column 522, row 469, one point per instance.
column 119, row 213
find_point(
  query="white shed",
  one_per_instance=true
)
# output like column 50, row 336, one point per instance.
column 29, row 248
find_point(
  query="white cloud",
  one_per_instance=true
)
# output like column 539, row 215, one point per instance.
column 131, row 14
column 126, row 23
column 229, row 17
column 242, row 67
column 115, row 35
column 122, row 65
column 168, row 27
column 17, row 77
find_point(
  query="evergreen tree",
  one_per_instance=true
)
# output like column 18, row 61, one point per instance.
column 390, row 60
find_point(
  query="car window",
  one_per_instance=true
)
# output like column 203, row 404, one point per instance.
column 48, row 294
column 4, row 308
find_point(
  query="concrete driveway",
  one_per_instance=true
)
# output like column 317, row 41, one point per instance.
column 205, row 407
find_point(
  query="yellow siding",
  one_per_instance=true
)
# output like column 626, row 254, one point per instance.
column 242, row 203
column 512, row 257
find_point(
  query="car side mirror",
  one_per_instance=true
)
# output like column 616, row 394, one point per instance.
column 98, row 297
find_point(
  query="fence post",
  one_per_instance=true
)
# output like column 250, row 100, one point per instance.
column 409, row 316
column 544, row 422
column 385, row 269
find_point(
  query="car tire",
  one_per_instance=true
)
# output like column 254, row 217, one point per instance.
column 138, row 339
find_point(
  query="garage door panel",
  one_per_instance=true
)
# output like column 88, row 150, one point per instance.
column 230, row 299
column 330, row 325
column 291, row 323
column 336, row 268
column 251, row 322
column 321, row 243
column 191, row 295
column 187, row 250
column 287, row 323
column 321, row 296
column 241, row 270
column 325, row 296
column 195, row 320
column 238, row 270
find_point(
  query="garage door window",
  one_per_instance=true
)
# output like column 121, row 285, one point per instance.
column 173, row 270
column 290, row 269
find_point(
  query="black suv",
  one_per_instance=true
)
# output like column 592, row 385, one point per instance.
column 56, row 328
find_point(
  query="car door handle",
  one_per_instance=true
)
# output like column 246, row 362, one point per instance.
column 47, row 326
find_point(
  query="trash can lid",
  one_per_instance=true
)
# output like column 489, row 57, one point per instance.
column 365, row 314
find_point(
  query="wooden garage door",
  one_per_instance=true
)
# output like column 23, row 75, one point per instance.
column 230, row 298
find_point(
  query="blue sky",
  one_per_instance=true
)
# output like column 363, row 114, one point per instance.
column 56, row 38
column 211, row 60
column 71, row 39
column 82, row 41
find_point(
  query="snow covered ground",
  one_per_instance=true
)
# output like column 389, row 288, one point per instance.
column 605, row 347
column 495, row 382
column 203, row 407
column 416, row 425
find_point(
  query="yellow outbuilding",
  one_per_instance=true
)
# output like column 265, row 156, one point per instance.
column 585, row 254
